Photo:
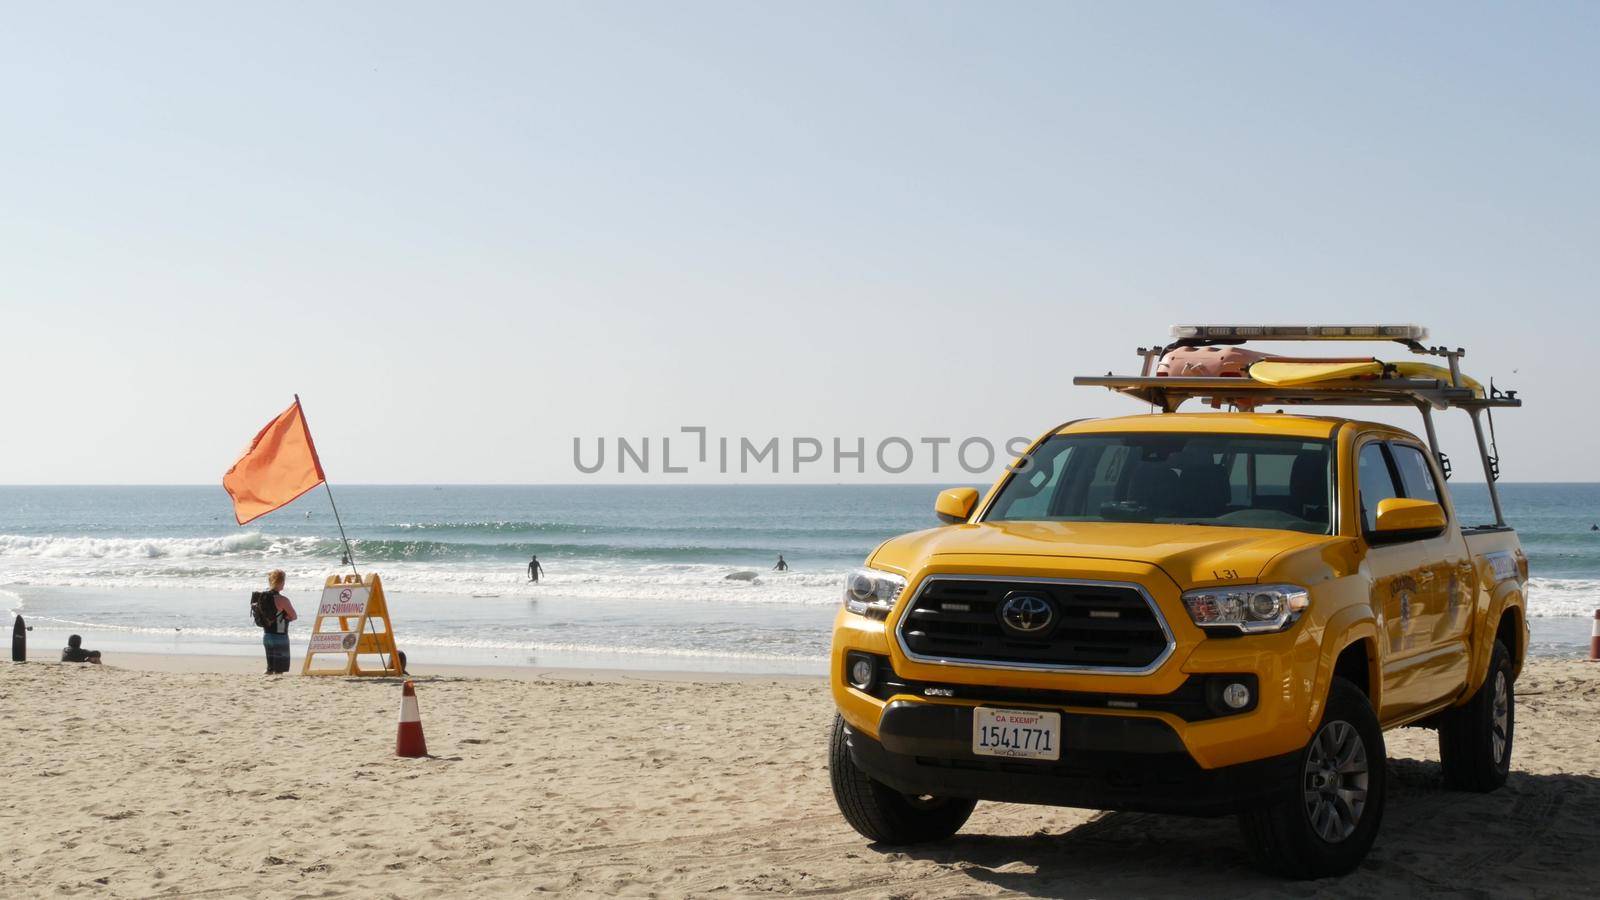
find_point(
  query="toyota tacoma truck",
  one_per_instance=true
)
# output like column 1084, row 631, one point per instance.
column 1213, row 613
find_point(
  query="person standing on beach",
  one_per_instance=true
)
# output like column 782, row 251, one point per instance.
column 275, row 633
column 781, row 566
column 534, row 570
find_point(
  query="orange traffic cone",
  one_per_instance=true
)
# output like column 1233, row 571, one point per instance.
column 409, row 740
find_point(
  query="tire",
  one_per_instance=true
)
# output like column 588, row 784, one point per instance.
column 882, row 814
column 1315, row 828
column 1475, row 740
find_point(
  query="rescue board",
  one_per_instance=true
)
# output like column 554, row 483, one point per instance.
column 742, row 576
column 1293, row 373
column 19, row 641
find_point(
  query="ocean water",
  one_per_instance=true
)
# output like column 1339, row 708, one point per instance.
column 636, row 576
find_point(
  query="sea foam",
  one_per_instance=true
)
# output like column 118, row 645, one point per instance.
column 53, row 547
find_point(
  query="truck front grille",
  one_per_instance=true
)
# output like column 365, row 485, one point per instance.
column 1103, row 626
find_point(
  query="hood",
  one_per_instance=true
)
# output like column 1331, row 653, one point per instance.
column 1192, row 555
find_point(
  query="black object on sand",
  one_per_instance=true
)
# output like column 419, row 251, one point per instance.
column 19, row 641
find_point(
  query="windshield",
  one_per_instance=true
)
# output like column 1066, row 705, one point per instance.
column 1242, row 481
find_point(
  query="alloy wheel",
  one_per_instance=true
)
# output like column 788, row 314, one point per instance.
column 1502, row 715
column 1336, row 781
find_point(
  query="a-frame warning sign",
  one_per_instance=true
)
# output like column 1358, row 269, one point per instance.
column 353, row 624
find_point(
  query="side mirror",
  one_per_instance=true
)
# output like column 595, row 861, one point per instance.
column 955, row 505
column 1402, row 519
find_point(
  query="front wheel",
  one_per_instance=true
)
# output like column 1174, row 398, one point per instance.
column 1475, row 739
column 885, row 815
column 1326, row 821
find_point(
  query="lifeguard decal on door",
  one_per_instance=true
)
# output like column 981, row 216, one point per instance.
column 1502, row 564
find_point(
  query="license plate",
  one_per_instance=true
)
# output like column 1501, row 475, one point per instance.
column 1016, row 733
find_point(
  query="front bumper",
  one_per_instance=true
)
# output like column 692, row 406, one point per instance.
column 1289, row 670
column 1108, row 762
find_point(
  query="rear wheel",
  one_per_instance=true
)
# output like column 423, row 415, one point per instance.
column 883, row 814
column 1475, row 739
column 1325, row 822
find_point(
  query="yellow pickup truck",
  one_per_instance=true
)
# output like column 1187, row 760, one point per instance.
column 1208, row 614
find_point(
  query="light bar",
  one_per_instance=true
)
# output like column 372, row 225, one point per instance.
column 1302, row 332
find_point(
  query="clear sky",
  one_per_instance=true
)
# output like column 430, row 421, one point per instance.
column 467, row 233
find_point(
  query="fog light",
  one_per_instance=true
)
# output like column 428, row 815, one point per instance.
column 1236, row 695
column 861, row 672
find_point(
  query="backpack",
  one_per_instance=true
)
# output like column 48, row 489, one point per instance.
column 264, row 608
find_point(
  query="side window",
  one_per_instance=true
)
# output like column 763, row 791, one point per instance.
column 1415, row 475
column 1376, row 483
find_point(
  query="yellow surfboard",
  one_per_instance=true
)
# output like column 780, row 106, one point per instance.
column 1293, row 373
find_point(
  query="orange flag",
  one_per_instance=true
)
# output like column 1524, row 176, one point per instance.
column 278, row 466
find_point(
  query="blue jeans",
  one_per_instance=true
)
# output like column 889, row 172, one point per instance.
column 277, row 652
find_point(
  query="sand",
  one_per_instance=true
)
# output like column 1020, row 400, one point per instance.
column 122, row 782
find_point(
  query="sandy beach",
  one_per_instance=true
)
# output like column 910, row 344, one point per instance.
column 193, row 777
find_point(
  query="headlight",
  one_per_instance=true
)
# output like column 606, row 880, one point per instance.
column 869, row 592
column 1252, row 609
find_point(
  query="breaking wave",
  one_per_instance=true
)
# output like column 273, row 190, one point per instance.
column 250, row 543
column 1557, row 597
column 842, row 529
column 257, row 545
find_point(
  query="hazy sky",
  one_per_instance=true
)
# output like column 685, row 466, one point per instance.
column 467, row 233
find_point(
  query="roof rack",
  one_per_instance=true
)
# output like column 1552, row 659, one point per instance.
column 1169, row 393
column 1390, row 389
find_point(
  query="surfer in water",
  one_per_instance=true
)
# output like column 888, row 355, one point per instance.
column 534, row 570
column 781, row 566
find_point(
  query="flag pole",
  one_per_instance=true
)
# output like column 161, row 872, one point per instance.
column 349, row 555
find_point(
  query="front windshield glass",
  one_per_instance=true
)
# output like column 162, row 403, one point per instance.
column 1234, row 480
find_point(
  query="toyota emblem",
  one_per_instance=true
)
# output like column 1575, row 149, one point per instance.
column 1027, row 613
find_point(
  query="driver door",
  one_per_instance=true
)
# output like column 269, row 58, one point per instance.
column 1395, row 571
column 1411, row 583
